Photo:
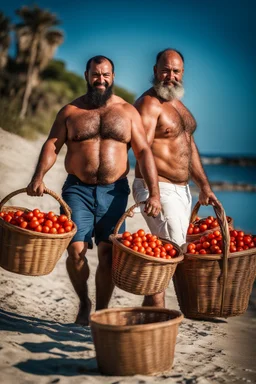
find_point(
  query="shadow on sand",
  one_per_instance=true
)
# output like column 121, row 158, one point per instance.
column 61, row 363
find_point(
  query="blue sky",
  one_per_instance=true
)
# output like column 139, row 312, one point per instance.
column 216, row 38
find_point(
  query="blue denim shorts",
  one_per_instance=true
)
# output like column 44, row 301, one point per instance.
column 95, row 208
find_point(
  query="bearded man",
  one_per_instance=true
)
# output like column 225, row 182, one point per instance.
column 98, row 129
column 169, row 126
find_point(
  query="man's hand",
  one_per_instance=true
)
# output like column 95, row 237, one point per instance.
column 35, row 188
column 207, row 196
column 152, row 206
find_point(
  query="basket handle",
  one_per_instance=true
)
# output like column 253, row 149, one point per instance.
column 128, row 213
column 64, row 205
column 222, row 220
column 194, row 212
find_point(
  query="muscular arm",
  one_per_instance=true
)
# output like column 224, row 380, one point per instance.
column 48, row 154
column 199, row 177
column 146, row 163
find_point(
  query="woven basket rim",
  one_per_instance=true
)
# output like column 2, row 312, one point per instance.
column 28, row 232
column 139, row 327
column 209, row 256
column 174, row 260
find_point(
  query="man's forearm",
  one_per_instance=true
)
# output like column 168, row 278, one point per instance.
column 149, row 172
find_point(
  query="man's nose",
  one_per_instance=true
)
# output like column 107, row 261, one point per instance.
column 101, row 78
column 172, row 75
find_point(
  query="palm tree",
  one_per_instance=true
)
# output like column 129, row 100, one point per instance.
column 37, row 42
column 5, row 28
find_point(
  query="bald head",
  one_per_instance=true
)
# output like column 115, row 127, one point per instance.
column 166, row 51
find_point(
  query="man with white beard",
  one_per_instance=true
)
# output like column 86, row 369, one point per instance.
column 169, row 126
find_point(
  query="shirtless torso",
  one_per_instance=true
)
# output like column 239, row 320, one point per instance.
column 97, row 140
column 169, row 126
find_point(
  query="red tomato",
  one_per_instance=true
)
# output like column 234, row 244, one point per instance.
column 124, row 235
column 247, row 239
column 206, row 244
column 45, row 229
column 29, row 216
column 125, row 242
column 60, row 230
column 191, row 246
column 232, row 248
column 39, row 228
column 168, row 246
column 196, row 230
column 68, row 223
column 48, row 223
column 36, row 211
column 190, row 231
column 67, row 228
column 173, row 252
column 203, row 227
column 135, row 248
column 152, row 244
column 24, row 224
column 240, row 233
column 50, row 215
column 141, row 232
column 53, row 231
column 202, row 252
column 18, row 213
column 62, row 218
column 33, row 224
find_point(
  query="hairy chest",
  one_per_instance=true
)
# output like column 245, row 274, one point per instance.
column 174, row 122
column 101, row 124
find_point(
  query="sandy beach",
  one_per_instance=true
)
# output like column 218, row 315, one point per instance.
column 39, row 342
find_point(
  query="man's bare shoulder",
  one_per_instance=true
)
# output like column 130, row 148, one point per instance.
column 148, row 100
column 123, row 104
column 70, row 107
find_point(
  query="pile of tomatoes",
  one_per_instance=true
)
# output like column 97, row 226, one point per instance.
column 202, row 225
column 212, row 243
column 148, row 244
column 38, row 221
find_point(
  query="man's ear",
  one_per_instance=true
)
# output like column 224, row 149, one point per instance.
column 154, row 69
column 86, row 75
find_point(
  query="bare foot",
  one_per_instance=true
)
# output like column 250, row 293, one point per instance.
column 83, row 314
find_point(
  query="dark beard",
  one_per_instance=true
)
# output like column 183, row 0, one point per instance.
column 97, row 98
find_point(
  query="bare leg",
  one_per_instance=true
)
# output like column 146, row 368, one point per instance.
column 104, row 283
column 78, row 271
column 157, row 300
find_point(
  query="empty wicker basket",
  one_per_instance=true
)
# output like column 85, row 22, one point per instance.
column 130, row 341
column 27, row 252
column 210, row 286
column 137, row 273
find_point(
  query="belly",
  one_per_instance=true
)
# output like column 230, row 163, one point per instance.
column 97, row 161
column 172, row 159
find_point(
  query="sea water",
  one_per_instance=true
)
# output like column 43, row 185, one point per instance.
column 240, row 205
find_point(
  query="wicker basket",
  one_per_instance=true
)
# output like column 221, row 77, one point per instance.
column 130, row 341
column 197, row 236
column 137, row 273
column 210, row 286
column 27, row 252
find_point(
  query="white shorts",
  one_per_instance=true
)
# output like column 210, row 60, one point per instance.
column 173, row 221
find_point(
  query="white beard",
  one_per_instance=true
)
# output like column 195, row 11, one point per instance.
column 168, row 92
